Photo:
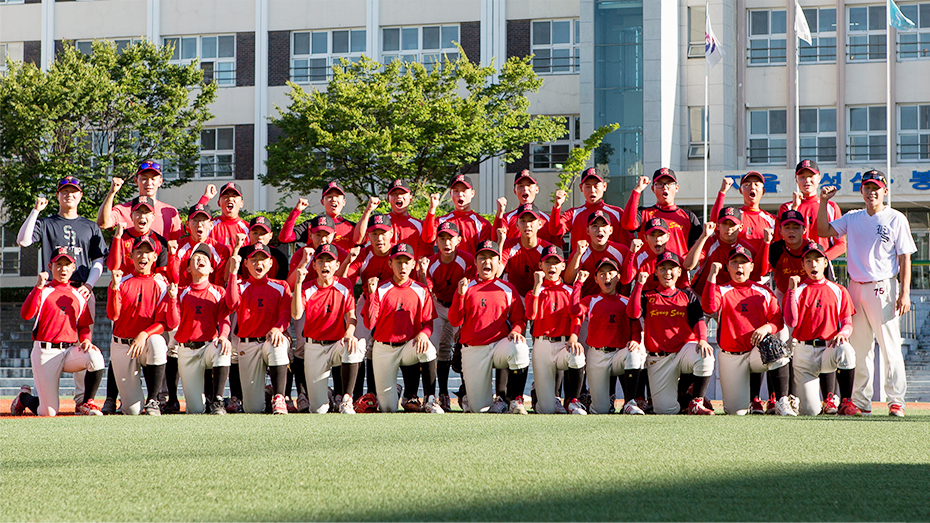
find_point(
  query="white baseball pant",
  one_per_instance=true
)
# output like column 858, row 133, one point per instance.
column 191, row 365
column 479, row 360
column 664, row 372
column 734, row 377
column 254, row 359
column 443, row 336
column 49, row 363
column 128, row 371
column 549, row 357
column 318, row 359
column 386, row 361
column 876, row 318
column 602, row 367
column 810, row 362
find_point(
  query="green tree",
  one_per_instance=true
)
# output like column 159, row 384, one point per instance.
column 579, row 156
column 376, row 123
column 95, row 117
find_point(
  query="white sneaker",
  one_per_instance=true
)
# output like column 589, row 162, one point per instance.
column 783, row 407
column 432, row 406
column 632, row 408
column 499, row 406
column 559, row 408
column 516, row 406
column 795, row 403
column 345, row 407
column 575, row 407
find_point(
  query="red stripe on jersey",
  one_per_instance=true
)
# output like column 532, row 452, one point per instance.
column 444, row 277
column 326, row 309
column 264, row 304
column 397, row 313
column 487, row 312
column 551, row 310
column 61, row 314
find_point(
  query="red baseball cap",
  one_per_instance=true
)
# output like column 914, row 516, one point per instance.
column 598, row 214
column 876, row 177
column 655, row 223
column 461, row 178
column 328, row 249
column 553, row 251
column 378, row 222
column 69, row 181
column 448, row 227
column 668, row 256
column 148, row 165
column 402, row 249
column 488, row 245
column 259, row 248
column 607, row 261
column 198, row 209
column 752, row 174
column 398, row 185
column 260, row 221
column 792, row 215
column 63, row 252
column 664, row 172
column 333, row 186
column 144, row 239
column 322, row 223
column 588, row 173
column 814, row 247
column 740, row 250
column 142, row 201
column 528, row 208
column 806, row 165
column 231, row 186
column 524, row 174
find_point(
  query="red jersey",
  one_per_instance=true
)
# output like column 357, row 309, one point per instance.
column 311, row 270
column 292, row 232
column 510, row 223
column 716, row 251
column 443, row 278
column 218, row 256
column 140, row 304
column 473, row 229
column 120, row 255
column 754, row 222
column 608, row 322
column 398, row 312
column 743, row 307
column 370, row 265
column 671, row 317
column 167, row 220
column 575, row 220
column 409, row 230
column 551, row 311
column 822, row 304
column 786, row 263
column 61, row 314
column 809, row 208
column 521, row 262
column 264, row 304
column 487, row 312
column 202, row 311
column 684, row 227
column 225, row 230
column 618, row 252
column 327, row 306
column 644, row 260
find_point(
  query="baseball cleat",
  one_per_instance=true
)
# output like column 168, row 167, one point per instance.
column 697, row 408
column 412, row 405
column 795, row 402
column 17, row 408
column 463, row 402
column 632, row 407
column 896, row 410
column 612, row 408
column 560, row 409
column 783, row 407
column 516, row 406
column 445, row 403
column 278, row 406
column 848, row 409
column 88, row 408
column 575, row 407
column 109, row 406
column 345, row 406
column 331, row 397
column 756, row 406
column 217, row 406
column 170, row 407
column 499, row 407
column 303, row 403
column 152, row 408
column 234, row 406
column 291, row 408
column 770, row 406
column 829, row 405
column 432, row 406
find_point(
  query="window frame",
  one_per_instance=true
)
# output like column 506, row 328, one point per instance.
column 225, row 77
column 84, row 46
column 12, row 251
column 878, row 136
column 777, row 158
column 818, row 55
column 420, row 54
column 771, row 58
column 331, row 57
column 919, row 14
column 871, row 51
column 170, row 169
column 921, row 132
column 4, row 52
column 570, row 140
column 573, row 46
column 697, row 15
column 819, row 136
column 696, row 148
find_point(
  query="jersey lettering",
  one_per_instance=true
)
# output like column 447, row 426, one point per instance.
column 260, row 304
column 884, row 232
column 484, row 302
column 199, row 309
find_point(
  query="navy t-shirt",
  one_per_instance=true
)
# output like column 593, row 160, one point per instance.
column 81, row 234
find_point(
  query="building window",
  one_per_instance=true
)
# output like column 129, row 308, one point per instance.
column 767, row 44
column 914, row 132
column 314, row 53
column 87, row 46
column 217, row 54
column 427, row 45
column 822, row 23
column 9, row 253
column 915, row 45
column 3, row 54
column 555, row 46
column 867, row 133
column 11, row 2
column 550, row 156
column 768, row 136
column 867, row 33
column 696, row 22
column 817, row 133
column 698, row 132
column 217, row 155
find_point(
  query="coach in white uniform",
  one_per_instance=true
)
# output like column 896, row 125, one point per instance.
column 879, row 247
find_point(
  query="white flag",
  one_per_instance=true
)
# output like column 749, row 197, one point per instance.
column 800, row 24
column 713, row 53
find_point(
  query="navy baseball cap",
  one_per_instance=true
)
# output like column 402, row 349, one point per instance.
column 598, row 214
column 379, row 222
column 605, row 262
column 488, row 245
column 333, row 186
column 260, row 247
column 142, row 201
column 198, row 209
column 740, row 250
column 326, row 249
column 322, row 223
column 402, row 249
column 201, row 248
column 589, row 173
column 876, row 177
column 528, row 208
column 143, row 240
column 792, row 215
column 664, row 172
column 523, row 175
column 231, row 186
column 449, row 228
column 69, row 181
column 260, row 221
column 668, row 256
column 463, row 179
column 148, row 165
column 655, row 223
column 398, row 185
column 63, row 252
column 752, row 174
column 729, row 213
column 553, row 251
column 806, row 165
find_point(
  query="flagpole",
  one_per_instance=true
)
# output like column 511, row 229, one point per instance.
column 888, row 131
column 797, row 95
column 706, row 132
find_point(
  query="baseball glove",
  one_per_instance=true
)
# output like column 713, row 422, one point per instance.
column 772, row 349
column 366, row 404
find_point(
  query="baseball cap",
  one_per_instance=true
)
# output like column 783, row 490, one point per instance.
column 814, row 247
column 448, row 227
column 752, row 174
column 327, row 249
column 63, row 252
column 332, row 186
column 664, row 172
column 598, row 214
column 322, row 223
column 607, row 261
column 142, row 201
column 69, row 181
column 740, row 250
column 398, row 184
column 148, row 165
column 201, row 248
column 655, row 223
column 144, row 239
column 792, row 215
column 809, row 165
column 528, row 208
column 461, row 178
column 588, row 173
column 260, row 221
column 259, row 247
column 876, row 177
column 198, row 209
column 729, row 213
column 668, row 256
column 402, row 249
column 553, row 250
column 231, row 186
column 524, row 174
column 488, row 245
column 379, row 222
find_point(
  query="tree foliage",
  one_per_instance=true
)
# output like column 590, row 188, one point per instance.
column 579, row 156
column 376, row 123
column 94, row 117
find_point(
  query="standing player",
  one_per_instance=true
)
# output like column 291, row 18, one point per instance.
column 491, row 317
column 754, row 220
column 472, row 227
column 822, row 351
column 588, row 254
column 525, row 188
column 228, row 225
column 646, row 253
column 806, row 201
column 260, row 232
column 62, row 337
column 333, row 199
column 684, row 226
column 879, row 247
column 711, row 248
column 676, row 339
column 575, row 220
column 406, row 229
column 521, row 256
column 786, row 256
column 199, row 223
column 143, row 217
column 400, row 315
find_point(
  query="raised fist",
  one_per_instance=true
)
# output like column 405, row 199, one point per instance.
column 234, row 262
column 434, row 200
column 116, row 184
column 560, row 197
column 302, row 203
column 583, row 276
column 642, row 277
column 582, row 246
column 371, row 286
column 373, row 203
column 42, row 280
column 636, row 245
column 354, row 252
column 463, row 286
column 240, row 241
column 641, row 184
column 119, row 230
column 795, row 200
column 423, row 265
column 709, row 229
column 116, row 276
column 301, row 274
column 714, row 269
column 501, row 236
column 172, row 247
column 726, row 183
column 210, row 191
column 41, row 203
column 501, row 205
column 173, row 290
column 538, row 278
column 768, row 234
column 827, row 192
column 794, row 281
column 306, row 254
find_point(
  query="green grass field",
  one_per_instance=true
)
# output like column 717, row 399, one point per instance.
column 465, row 467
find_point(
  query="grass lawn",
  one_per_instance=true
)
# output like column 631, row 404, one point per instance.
column 465, row 467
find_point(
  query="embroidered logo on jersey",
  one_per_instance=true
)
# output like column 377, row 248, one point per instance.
column 400, row 306
column 484, row 302
column 63, row 310
column 884, row 232
column 613, row 318
column 328, row 308
column 818, row 305
column 199, row 309
column 744, row 307
column 260, row 300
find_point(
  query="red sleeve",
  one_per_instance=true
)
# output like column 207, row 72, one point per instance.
column 700, row 330
column 31, row 305
column 284, row 309
column 499, row 224
column 791, row 308
column 580, row 308
column 352, row 272
column 114, row 303
column 287, row 230
column 176, row 230
column 718, row 204
column 634, row 307
column 161, row 319
column 487, row 232
column 763, row 267
column 173, row 316
column 371, row 310
column 85, row 325
column 846, row 327
column 429, row 229
column 427, row 315
column 457, row 310
column 232, row 294
column 115, row 256
column 628, row 271
column 782, row 208
column 174, row 268
column 711, row 299
column 225, row 327
column 558, row 222
column 629, row 219
column 636, row 331
column 531, row 303
column 203, row 200
column 517, row 316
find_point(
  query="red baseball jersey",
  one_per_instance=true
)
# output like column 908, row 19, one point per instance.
column 809, row 208
column 609, row 325
column 743, row 308
column 510, row 223
column 521, row 262
column 618, row 252
column 576, row 221
column 684, row 227
column 342, row 237
column 644, row 260
column 671, row 317
column 551, row 311
column 140, row 304
column 822, row 305
column 311, row 270
column 61, row 314
column 409, row 230
column 785, row 263
column 167, row 222
column 473, row 229
column 716, row 250
column 443, row 278
column 264, row 304
column 120, row 255
column 218, row 256
column 225, row 230
column 202, row 311
column 487, row 312
column 369, row 265
column 398, row 312
column 326, row 307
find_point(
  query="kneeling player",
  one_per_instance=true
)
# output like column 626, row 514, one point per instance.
column 747, row 313
column 822, row 350
column 614, row 340
column 676, row 339
column 400, row 315
column 330, row 334
column 491, row 317
column 62, row 340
